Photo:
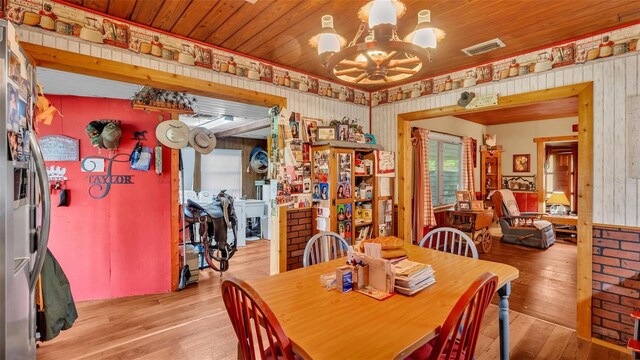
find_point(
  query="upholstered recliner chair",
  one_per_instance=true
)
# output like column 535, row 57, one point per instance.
column 521, row 228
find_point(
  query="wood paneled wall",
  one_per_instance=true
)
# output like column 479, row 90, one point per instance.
column 615, row 196
column 246, row 145
column 310, row 105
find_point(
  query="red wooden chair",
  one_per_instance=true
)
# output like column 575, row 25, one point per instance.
column 459, row 334
column 257, row 328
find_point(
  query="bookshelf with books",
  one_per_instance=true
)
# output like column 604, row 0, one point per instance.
column 346, row 195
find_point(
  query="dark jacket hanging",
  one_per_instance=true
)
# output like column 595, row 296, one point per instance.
column 59, row 308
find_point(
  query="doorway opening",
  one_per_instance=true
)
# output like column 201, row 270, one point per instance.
column 121, row 220
column 582, row 97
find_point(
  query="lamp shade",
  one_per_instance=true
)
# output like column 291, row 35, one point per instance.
column 382, row 12
column 558, row 198
column 423, row 36
column 327, row 41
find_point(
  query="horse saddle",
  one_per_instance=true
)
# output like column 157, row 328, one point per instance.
column 214, row 209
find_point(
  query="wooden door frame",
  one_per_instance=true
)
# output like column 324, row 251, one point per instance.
column 584, row 92
column 112, row 70
column 540, row 151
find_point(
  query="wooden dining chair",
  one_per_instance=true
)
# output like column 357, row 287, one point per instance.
column 324, row 246
column 458, row 335
column 450, row 240
column 257, row 328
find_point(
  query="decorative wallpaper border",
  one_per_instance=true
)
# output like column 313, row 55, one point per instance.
column 99, row 29
column 603, row 45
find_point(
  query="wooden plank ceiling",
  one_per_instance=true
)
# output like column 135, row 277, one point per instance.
column 553, row 109
column 279, row 30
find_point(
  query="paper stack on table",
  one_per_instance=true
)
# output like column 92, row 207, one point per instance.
column 412, row 277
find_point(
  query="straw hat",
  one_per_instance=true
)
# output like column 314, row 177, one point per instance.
column 202, row 140
column 173, row 134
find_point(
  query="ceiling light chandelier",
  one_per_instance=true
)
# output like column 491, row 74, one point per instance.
column 383, row 57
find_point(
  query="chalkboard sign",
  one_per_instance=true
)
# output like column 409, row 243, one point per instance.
column 60, row 148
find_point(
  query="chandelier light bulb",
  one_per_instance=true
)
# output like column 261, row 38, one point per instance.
column 382, row 12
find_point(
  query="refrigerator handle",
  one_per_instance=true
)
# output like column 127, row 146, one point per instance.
column 42, row 232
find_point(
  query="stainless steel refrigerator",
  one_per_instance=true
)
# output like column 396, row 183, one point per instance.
column 24, row 201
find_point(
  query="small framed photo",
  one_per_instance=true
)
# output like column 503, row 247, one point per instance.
column 522, row 163
column 326, row 133
column 464, row 205
column 463, row 195
column 309, row 127
column 369, row 139
column 343, row 132
column 477, row 205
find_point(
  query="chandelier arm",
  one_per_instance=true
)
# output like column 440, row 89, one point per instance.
column 352, row 63
column 389, row 57
column 358, row 34
column 402, row 70
column 360, row 78
column 402, row 62
column 348, row 71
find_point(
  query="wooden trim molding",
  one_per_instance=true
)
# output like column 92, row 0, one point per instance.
column 555, row 138
column 584, row 92
column 540, row 143
column 113, row 70
column 614, row 227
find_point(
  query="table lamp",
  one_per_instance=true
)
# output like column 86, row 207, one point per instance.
column 558, row 201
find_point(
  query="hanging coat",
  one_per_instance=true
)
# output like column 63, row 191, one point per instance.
column 59, row 309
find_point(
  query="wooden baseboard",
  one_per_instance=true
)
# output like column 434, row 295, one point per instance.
column 610, row 345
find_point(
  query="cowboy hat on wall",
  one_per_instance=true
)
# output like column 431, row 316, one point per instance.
column 173, row 134
column 202, row 140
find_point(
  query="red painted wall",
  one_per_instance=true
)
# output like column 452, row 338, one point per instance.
column 119, row 245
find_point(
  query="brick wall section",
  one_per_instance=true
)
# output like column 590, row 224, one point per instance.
column 299, row 231
column 616, row 283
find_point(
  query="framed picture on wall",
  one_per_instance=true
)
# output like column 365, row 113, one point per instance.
column 522, row 163
column 326, row 133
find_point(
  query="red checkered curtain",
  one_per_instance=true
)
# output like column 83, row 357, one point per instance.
column 422, row 204
column 467, row 167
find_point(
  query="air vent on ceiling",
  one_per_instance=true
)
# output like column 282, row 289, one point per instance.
column 484, row 47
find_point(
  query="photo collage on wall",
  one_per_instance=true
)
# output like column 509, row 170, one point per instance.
column 296, row 181
column 344, row 177
column 344, row 215
column 344, row 191
column 321, row 188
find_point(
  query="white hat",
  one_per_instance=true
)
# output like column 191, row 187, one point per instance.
column 202, row 140
column 173, row 134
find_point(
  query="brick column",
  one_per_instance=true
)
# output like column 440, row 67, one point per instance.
column 616, row 285
column 299, row 231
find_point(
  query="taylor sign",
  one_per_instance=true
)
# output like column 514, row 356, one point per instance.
column 101, row 184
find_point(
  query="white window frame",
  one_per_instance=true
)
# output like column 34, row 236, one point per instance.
column 441, row 138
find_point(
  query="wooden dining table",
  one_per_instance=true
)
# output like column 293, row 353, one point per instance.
column 328, row 324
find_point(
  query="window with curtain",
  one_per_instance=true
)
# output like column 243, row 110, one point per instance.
column 445, row 168
column 222, row 170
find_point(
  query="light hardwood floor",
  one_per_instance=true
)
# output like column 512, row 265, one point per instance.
column 193, row 324
column 546, row 288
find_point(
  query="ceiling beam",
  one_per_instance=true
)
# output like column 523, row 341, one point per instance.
column 256, row 125
column 113, row 70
